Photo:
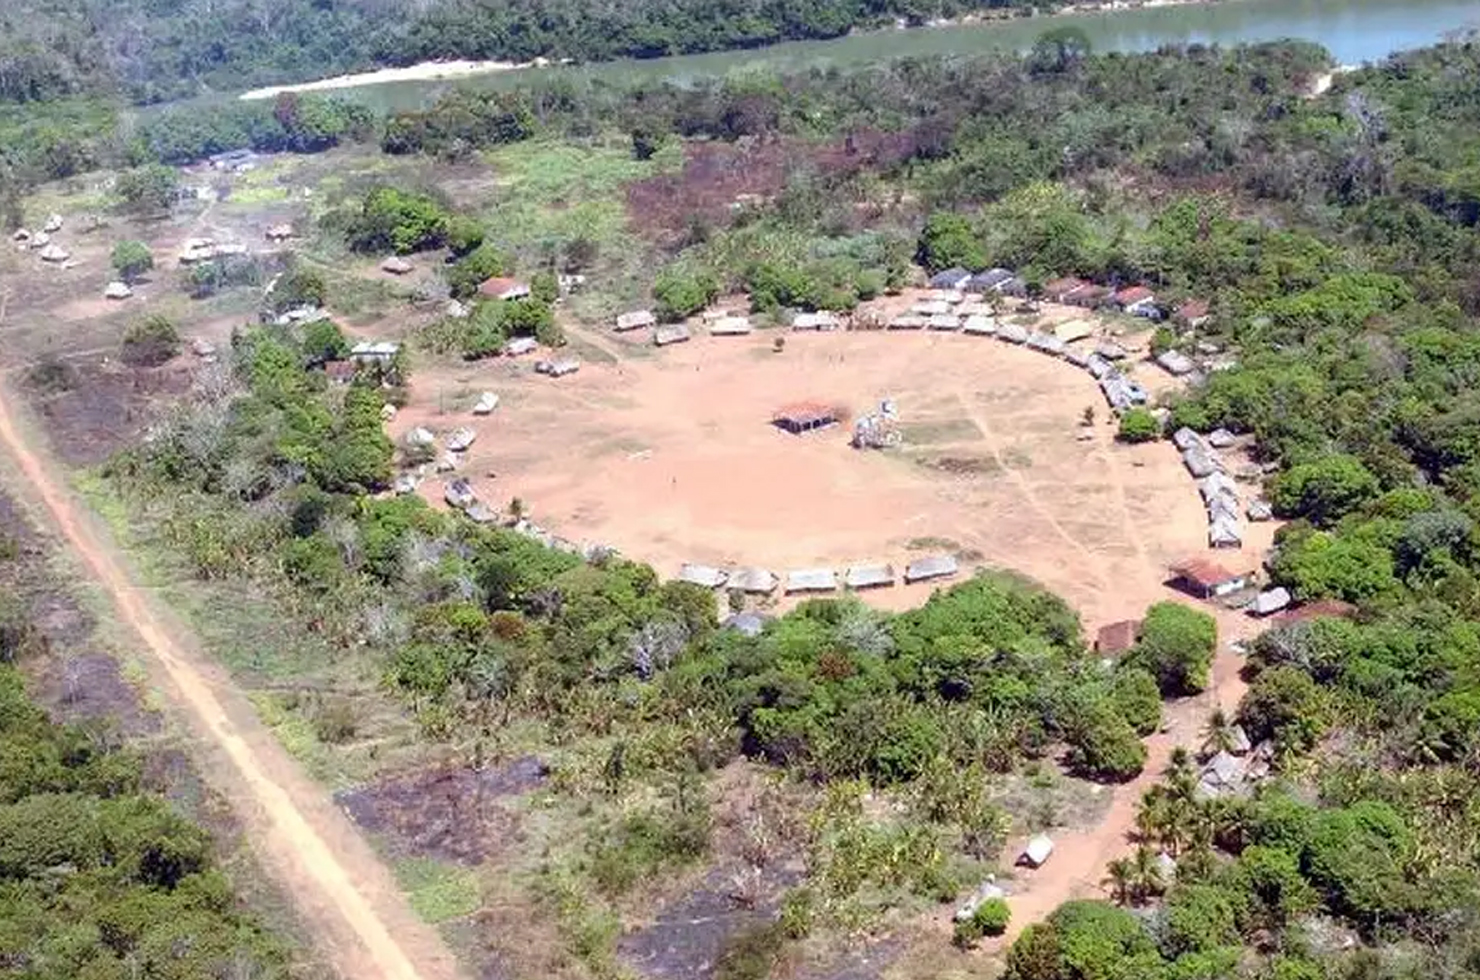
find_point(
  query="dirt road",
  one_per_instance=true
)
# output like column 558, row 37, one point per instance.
column 346, row 897
column 1079, row 860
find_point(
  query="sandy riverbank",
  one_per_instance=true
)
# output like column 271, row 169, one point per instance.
column 427, row 71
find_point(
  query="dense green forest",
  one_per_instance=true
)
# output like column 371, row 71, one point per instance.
column 153, row 51
column 100, row 878
column 1336, row 237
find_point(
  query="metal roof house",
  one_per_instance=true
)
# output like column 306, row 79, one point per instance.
column 1224, row 532
column 1175, row 363
column 729, row 326
column 811, row 580
column 1259, row 510
column 1111, row 351
column 1198, row 462
column 1037, row 851
column 987, row 282
column 1089, row 297
column 814, row 321
column 1185, row 439
column 981, row 326
column 1097, row 366
column 1121, row 392
column 1012, row 333
column 908, row 321
column 1216, row 484
column 943, row 321
column 952, row 278
column 753, row 581
column 520, row 345
column 499, row 287
column 924, row 569
column 673, row 333
column 1137, row 301
column 931, row 307
column 799, row 417
column 459, row 493
column 1046, row 343
column 635, row 320
column 1073, row 330
column 868, row 576
column 706, row 576
column 1270, row 601
column 1056, row 290
column 1205, row 578
column 373, row 352
column 1221, row 438
column 459, row 439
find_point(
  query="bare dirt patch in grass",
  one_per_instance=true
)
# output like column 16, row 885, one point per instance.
column 710, row 480
column 106, row 405
column 448, row 814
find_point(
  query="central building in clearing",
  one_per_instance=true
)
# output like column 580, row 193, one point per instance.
column 799, row 417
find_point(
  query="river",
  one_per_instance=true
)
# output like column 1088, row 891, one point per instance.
column 1354, row 31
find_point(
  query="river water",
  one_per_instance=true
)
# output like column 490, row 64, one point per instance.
column 1354, row 31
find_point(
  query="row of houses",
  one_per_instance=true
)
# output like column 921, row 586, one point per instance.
column 1003, row 282
column 719, row 323
column 814, row 581
column 1220, row 493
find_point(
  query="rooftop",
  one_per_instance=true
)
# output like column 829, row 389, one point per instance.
column 868, row 576
column 500, row 287
column 811, row 580
column 937, row 566
column 703, row 575
column 1204, row 572
column 804, row 414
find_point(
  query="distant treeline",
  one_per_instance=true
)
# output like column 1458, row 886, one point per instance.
column 146, row 51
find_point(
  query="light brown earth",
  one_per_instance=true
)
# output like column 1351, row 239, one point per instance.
column 349, row 901
column 668, row 455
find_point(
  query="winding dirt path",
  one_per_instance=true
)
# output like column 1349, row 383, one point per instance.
column 347, row 899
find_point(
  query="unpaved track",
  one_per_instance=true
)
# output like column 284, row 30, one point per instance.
column 346, row 897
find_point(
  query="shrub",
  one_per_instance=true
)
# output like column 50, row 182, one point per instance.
column 681, row 294
column 949, row 240
column 1138, row 425
column 544, row 286
column 149, row 188
column 989, row 919
column 468, row 273
column 151, row 342
column 463, row 235
column 1176, row 646
column 132, row 259
column 391, row 219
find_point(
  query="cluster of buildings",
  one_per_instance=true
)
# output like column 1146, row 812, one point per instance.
column 718, row 323
column 952, row 311
column 1219, row 492
column 818, row 581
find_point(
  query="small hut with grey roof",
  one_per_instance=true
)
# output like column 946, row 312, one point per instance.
column 635, row 320
column 706, row 576
column 924, row 569
column 811, row 580
column 752, row 581
column 868, row 576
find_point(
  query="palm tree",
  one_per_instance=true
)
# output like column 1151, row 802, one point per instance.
column 1118, row 876
column 1218, row 734
column 1146, row 875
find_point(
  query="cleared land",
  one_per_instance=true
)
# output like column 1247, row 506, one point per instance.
column 671, row 458
column 346, row 896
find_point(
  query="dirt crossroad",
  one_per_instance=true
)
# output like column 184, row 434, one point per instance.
column 347, row 898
